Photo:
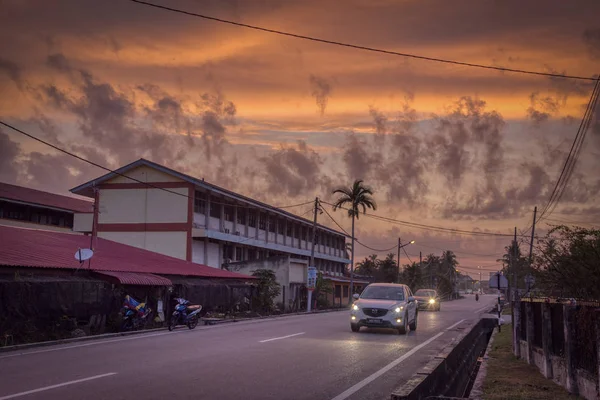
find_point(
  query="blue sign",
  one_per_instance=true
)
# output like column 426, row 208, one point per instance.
column 311, row 277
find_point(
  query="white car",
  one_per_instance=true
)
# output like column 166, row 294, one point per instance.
column 384, row 305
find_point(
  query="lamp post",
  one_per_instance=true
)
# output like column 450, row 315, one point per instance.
column 480, row 290
column 400, row 246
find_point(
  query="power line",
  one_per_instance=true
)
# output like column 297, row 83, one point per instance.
column 459, row 251
column 358, row 47
column 430, row 227
column 125, row 176
column 334, row 221
column 377, row 250
column 407, row 256
column 567, row 170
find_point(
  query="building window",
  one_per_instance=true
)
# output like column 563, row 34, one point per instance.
column 338, row 291
column 199, row 203
column 251, row 254
column 241, row 216
column 238, row 253
column 272, row 224
column 228, row 213
column 215, row 208
column 227, row 252
column 288, row 231
column 262, row 222
column 280, row 226
column 252, row 219
column 346, row 291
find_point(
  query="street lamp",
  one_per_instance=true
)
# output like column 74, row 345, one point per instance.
column 479, row 268
column 400, row 245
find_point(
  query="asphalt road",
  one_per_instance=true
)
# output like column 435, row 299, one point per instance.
column 297, row 357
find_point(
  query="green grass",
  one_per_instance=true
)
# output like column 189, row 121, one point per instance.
column 513, row 379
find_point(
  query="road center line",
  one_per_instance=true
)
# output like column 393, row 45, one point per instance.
column 12, row 396
column 372, row 377
column 277, row 338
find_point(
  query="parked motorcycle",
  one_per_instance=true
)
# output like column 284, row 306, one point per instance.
column 135, row 314
column 476, row 296
column 181, row 316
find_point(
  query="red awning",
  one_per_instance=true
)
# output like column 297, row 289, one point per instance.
column 137, row 278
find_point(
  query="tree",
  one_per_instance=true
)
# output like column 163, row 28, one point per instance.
column 267, row 289
column 447, row 273
column 368, row 266
column 322, row 286
column 413, row 276
column 387, row 269
column 357, row 197
column 567, row 263
column 514, row 263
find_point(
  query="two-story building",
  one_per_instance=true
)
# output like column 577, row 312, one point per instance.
column 150, row 206
column 30, row 208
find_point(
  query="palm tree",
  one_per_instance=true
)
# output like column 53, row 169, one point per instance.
column 357, row 197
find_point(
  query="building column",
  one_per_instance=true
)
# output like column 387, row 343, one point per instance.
column 267, row 227
column 568, row 319
column 205, row 250
column 235, row 214
column 547, row 340
column 207, row 216
column 222, row 216
column 517, row 327
column 247, row 222
column 530, row 329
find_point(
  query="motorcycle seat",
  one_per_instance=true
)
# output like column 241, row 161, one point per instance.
column 193, row 307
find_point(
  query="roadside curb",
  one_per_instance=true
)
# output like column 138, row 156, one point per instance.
column 477, row 389
column 25, row 346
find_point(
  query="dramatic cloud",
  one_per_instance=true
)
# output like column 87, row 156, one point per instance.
column 9, row 151
column 294, row 170
column 541, row 108
column 591, row 37
column 12, row 71
column 321, row 91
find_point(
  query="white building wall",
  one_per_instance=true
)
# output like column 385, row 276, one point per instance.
column 82, row 222
column 199, row 219
column 213, row 255
column 168, row 243
column 142, row 205
column 198, row 251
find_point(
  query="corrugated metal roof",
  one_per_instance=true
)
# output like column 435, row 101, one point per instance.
column 39, row 198
column 138, row 278
column 46, row 249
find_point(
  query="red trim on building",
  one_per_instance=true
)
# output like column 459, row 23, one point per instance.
column 145, row 227
column 190, row 221
column 150, row 185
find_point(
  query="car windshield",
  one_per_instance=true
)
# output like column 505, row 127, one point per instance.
column 425, row 293
column 383, row 293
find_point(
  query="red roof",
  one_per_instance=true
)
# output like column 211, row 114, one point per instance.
column 39, row 198
column 136, row 278
column 47, row 249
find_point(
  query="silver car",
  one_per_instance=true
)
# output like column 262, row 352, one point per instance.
column 384, row 305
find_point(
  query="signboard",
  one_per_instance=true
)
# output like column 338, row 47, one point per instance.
column 498, row 281
column 311, row 278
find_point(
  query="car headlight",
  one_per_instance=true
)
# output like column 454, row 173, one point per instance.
column 431, row 301
column 398, row 309
column 355, row 307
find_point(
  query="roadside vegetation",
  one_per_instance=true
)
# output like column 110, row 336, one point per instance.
column 508, row 377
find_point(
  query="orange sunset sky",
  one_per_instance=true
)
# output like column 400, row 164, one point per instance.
column 284, row 120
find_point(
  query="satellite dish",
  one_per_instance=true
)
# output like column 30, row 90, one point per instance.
column 83, row 254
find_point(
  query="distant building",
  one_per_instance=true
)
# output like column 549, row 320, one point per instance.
column 30, row 208
column 150, row 206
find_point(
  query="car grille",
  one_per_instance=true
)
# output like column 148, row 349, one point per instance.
column 375, row 312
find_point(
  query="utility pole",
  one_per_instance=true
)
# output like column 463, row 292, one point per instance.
column 399, row 246
column 529, row 269
column 312, row 252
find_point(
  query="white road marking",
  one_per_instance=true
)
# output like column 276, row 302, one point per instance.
column 92, row 343
column 12, row 396
column 278, row 338
column 391, row 365
column 483, row 309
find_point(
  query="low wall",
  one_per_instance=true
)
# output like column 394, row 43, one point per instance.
column 449, row 372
